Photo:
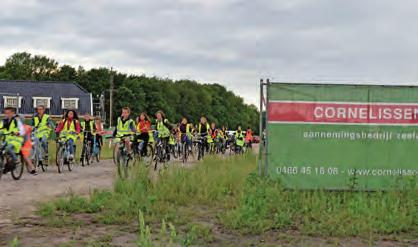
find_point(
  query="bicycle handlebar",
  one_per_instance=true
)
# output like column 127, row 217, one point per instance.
column 122, row 136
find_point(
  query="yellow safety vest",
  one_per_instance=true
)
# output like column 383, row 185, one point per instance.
column 151, row 136
column 200, row 128
column 92, row 126
column 239, row 138
column 41, row 125
column 69, row 133
column 11, row 132
column 124, row 128
column 171, row 140
column 163, row 131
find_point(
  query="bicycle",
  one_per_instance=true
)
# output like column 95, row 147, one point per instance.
column 96, row 150
column 37, row 155
column 121, row 157
column 161, row 154
column 178, row 148
column 220, row 145
column 62, row 155
column 186, row 149
column 86, row 152
column 175, row 150
column 7, row 161
column 173, row 147
column 232, row 145
column 201, row 143
column 240, row 148
column 212, row 147
column 139, row 153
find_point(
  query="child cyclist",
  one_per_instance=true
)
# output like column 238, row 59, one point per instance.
column 99, row 131
column 239, row 138
column 143, row 127
column 163, row 128
column 26, row 150
column 13, row 128
column 88, row 127
column 124, row 128
column 249, row 137
column 186, row 130
column 203, row 130
column 69, row 128
column 42, row 127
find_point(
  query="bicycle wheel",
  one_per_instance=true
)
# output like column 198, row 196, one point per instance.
column 59, row 158
column 173, row 151
column 70, row 164
column 122, row 160
column 158, row 156
column 118, row 162
column 18, row 169
column 38, row 162
column 83, row 155
column 179, row 150
column 136, row 155
column 98, row 154
column 115, row 153
column 88, row 155
column 35, row 160
column 126, row 160
column 200, row 152
column 185, row 151
column 2, row 165
column 150, row 155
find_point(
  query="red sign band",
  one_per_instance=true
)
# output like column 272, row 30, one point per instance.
column 355, row 113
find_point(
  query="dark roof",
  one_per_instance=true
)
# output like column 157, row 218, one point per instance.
column 41, row 88
column 55, row 90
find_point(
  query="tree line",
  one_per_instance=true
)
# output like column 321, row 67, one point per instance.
column 176, row 98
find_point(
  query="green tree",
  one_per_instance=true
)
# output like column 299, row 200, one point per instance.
column 141, row 93
column 66, row 73
column 24, row 66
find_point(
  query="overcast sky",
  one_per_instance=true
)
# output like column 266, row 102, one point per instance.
column 231, row 42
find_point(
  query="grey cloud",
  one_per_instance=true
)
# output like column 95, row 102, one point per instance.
column 233, row 42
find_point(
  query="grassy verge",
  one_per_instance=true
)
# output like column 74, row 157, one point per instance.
column 183, row 205
column 264, row 205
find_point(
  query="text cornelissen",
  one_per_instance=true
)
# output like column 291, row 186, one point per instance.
column 375, row 113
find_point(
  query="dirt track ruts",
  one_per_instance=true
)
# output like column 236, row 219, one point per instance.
column 20, row 197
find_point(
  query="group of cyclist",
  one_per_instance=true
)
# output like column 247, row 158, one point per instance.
column 169, row 133
column 19, row 136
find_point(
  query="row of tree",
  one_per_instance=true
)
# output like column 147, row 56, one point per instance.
column 141, row 93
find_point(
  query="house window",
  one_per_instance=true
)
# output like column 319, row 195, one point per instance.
column 45, row 101
column 69, row 103
column 12, row 101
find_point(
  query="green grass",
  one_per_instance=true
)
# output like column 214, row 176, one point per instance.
column 265, row 205
column 225, row 191
column 14, row 242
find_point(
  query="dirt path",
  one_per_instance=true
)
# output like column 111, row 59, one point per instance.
column 18, row 201
column 21, row 196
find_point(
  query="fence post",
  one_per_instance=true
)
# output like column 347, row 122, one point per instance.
column 267, row 132
column 260, row 130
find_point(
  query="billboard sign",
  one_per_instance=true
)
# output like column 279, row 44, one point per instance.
column 342, row 136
